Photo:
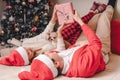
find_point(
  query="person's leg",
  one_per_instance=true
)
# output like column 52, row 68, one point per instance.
column 93, row 21
column 87, row 17
column 93, row 24
column 103, row 28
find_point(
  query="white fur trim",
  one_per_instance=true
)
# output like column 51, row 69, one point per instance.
column 24, row 55
column 45, row 59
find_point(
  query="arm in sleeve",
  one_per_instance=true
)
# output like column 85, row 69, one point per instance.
column 91, row 36
column 60, row 44
column 48, row 29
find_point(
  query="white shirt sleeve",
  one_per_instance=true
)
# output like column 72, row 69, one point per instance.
column 48, row 29
column 60, row 44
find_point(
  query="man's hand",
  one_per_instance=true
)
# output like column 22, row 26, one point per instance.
column 76, row 16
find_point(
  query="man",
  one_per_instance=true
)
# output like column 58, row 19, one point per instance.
column 83, row 60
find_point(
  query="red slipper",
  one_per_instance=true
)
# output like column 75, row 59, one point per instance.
column 94, row 6
column 101, row 8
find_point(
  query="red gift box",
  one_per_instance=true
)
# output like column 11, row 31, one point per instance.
column 64, row 13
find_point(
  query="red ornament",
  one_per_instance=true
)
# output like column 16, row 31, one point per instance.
column 24, row 3
column 34, row 28
column 15, row 24
column 51, row 3
column 2, row 32
column 31, row 1
column 8, row 6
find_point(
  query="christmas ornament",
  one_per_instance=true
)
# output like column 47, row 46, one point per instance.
column 34, row 28
column 11, row 18
column 36, row 18
column 31, row 1
column 15, row 24
column 51, row 3
column 16, row 29
column 8, row 6
column 2, row 32
column 24, row 3
column 4, row 17
column 45, row 14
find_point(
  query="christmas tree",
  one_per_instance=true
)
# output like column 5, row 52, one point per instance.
column 23, row 19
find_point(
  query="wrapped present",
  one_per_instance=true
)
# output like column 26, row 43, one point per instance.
column 64, row 13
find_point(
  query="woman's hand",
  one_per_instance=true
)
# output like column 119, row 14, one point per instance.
column 77, row 18
column 54, row 15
